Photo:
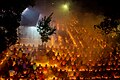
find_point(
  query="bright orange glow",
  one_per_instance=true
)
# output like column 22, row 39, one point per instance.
column 73, row 40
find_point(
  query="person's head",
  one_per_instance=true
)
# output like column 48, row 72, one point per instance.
column 54, row 78
column 34, row 63
column 20, row 49
column 46, row 65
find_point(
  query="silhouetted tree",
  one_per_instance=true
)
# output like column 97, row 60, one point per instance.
column 44, row 28
column 108, row 25
column 108, row 8
column 10, row 16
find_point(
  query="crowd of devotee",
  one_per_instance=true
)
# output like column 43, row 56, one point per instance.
column 66, row 60
column 24, row 64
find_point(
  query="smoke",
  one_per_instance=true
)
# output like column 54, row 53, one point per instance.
column 108, row 8
column 86, row 13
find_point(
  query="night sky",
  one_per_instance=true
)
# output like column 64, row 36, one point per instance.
column 108, row 8
column 105, row 7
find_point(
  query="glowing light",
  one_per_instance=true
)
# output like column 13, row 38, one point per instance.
column 30, row 35
column 24, row 12
column 65, row 6
column 29, row 17
column 81, row 44
column 72, row 38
